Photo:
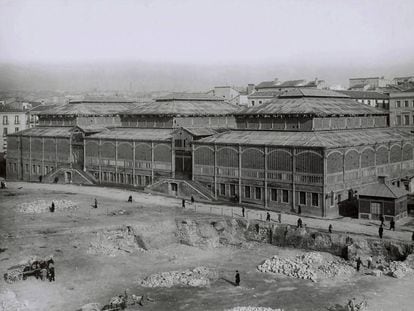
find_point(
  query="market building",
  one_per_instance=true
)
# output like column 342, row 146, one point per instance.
column 301, row 152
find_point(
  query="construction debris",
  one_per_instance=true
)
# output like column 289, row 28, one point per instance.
column 198, row 277
column 309, row 266
column 41, row 206
column 116, row 242
column 398, row 269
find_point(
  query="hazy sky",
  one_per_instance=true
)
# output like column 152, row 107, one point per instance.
column 214, row 31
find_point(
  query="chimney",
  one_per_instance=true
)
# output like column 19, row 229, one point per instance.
column 381, row 179
column 250, row 88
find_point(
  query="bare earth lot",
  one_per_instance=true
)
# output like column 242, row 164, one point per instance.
column 86, row 273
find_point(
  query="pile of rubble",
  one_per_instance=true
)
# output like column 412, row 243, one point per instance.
column 9, row 302
column 118, row 303
column 290, row 267
column 41, row 206
column 253, row 309
column 309, row 266
column 198, row 277
column 397, row 269
column 116, row 242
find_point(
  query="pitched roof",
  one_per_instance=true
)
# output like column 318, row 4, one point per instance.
column 382, row 190
column 189, row 96
column 266, row 84
column 260, row 93
column 364, row 94
column 45, row 132
column 90, row 108
column 200, row 131
column 134, row 134
column 312, row 102
column 185, row 108
column 40, row 108
column 326, row 139
column 8, row 108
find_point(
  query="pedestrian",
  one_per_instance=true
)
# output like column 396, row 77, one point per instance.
column 380, row 231
column 381, row 218
column 95, row 203
column 299, row 223
column 130, row 199
column 52, row 207
column 192, row 200
column 392, row 224
column 279, row 218
column 358, row 262
column 243, row 211
column 237, row 278
column 369, row 262
column 40, row 178
column 268, row 216
column 183, row 203
column 3, row 185
column 330, row 228
column 51, row 272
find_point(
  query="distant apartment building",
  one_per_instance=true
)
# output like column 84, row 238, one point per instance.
column 230, row 94
column 365, row 84
column 372, row 98
column 11, row 120
column 267, row 90
column 402, row 109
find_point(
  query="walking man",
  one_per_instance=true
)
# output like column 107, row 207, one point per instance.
column 243, row 211
column 381, row 231
column 381, row 218
column 299, row 223
column 130, row 199
column 192, row 200
column 369, row 262
column 183, row 203
column 330, row 228
column 237, row 278
column 279, row 218
column 359, row 261
column 392, row 224
column 268, row 216
column 52, row 207
column 95, row 203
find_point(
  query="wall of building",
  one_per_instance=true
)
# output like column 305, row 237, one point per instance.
column 134, row 163
column 357, row 166
column 402, row 109
column 11, row 122
column 266, row 176
column 31, row 157
column 389, row 208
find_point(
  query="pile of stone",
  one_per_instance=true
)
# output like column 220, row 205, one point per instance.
column 398, row 269
column 290, row 267
column 41, row 206
column 309, row 266
column 198, row 277
column 115, row 242
column 9, row 302
column 249, row 308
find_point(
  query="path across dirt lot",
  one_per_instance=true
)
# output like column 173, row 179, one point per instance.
column 86, row 272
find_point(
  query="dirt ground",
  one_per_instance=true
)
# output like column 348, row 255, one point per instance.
column 83, row 277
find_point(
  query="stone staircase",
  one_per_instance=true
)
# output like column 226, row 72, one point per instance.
column 77, row 176
column 185, row 188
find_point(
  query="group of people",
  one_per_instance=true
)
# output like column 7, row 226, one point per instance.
column 41, row 269
column 359, row 263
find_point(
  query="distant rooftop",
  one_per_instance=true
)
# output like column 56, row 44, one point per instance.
column 7, row 108
column 312, row 102
column 91, row 108
column 364, row 94
column 189, row 96
column 382, row 190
